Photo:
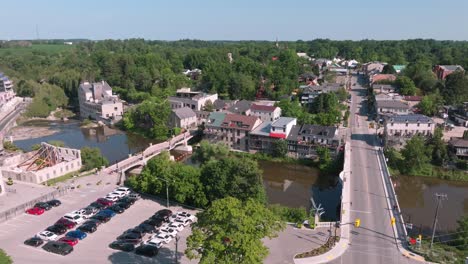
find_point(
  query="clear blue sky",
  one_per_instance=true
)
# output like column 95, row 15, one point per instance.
column 235, row 19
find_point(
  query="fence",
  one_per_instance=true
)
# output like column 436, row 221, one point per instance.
column 18, row 210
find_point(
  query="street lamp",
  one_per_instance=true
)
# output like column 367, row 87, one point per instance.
column 167, row 190
column 177, row 237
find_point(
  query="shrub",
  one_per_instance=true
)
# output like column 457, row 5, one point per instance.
column 288, row 214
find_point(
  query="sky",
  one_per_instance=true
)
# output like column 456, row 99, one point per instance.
column 234, row 19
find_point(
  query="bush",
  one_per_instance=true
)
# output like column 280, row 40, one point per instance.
column 10, row 181
column 288, row 214
column 86, row 122
column 57, row 143
column 462, row 164
column 9, row 146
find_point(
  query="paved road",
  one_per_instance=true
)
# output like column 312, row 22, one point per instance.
column 12, row 115
column 374, row 241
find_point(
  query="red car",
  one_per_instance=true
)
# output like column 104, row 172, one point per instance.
column 105, row 202
column 67, row 223
column 69, row 240
column 35, row 211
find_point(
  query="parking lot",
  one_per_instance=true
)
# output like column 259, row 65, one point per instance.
column 94, row 248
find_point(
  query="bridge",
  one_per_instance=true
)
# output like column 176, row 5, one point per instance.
column 140, row 159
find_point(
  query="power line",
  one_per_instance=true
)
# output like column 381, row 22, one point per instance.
column 440, row 197
column 452, row 233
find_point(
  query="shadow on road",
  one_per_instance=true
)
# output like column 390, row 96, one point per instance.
column 165, row 255
column 368, row 138
column 379, row 235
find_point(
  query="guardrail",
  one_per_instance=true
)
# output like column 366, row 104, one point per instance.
column 20, row 209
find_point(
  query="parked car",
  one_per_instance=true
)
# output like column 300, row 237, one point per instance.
column 47, row 235
column 92, row 222
column 75, row 218
column 91, row 209
column 58, row 229
column 77, row 234
column 34, row 242
column 135, row 196
column 44, row 206
column 163, row 237
column 108, row 212
column 164, row 214
column 35, row 211
column 57, row 247
column 147, row 250
column 176, row 226
column 67, row 223
column 101, row 217
column 81, row 212
column 117, row 209
column 182, row 221
column 130, row 238
column 154, row 242
column 87, row 228
column 105, row 202
column 69, row 240
column 127, row 199
column 148, row 228
column 185, row 215
column 112, row 198
column 117, row 194
column 123, row 205
column 169, row 231
column 134, row 231
column 54, row 202
column 122, row 245
column 154, row 222
column 98, row 206
column 124, row 190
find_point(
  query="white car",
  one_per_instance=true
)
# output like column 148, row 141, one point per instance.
column 164, row 238
column 169, row 231
column 155, row 242
column 182, row 221
column 47, row 235
column 185, row 215
column 135, row 196
column 112, row 198
column 176, row 226
column 124, row 190
column 81, row 212
column 76, row 218
column 118, row 194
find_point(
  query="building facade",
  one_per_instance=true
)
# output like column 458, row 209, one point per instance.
column 303, row 140
column 309, row 93
column 391, row 107
column 263, row 137
column 184, row 118
column 265, row 112
column 459, row 147
column 442, row 71
column 399, row 128
column 194, row 100
column 97, row 102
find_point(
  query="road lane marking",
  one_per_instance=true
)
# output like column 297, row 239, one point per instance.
column 357, row 211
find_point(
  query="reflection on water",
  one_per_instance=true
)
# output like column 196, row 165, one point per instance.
column 113, row 143
column 416, row 196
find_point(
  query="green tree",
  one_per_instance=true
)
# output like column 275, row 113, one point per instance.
column 430, row 104
column 280, row 148
column 231, row 231
column 439, row 147
column 416, row 154
column 462, row 235
column 4, row 258
column 237, row 177
column 207, row 151
column 92, row 158
column 388, row 69
column 324, row 158
column 405, row 85
column 456, row 88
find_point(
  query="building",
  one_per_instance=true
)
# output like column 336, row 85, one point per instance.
column 265, row 112
column 442, row 71
column 231, row 129
column 97, row 102
column 262, row 138
column 303, row 140
column 460, row 115
column 399, row 68
column 6, row 85
column 459, row 147
column 309, row 93
column 382, row 77
column 383, row 107
column 241, row 107
column 47, row 163
column 373, row 67
column 412, row 100
column 195, row 100
column 183, row 117
column 399, row 128
column 222, row 105
column 383, row 88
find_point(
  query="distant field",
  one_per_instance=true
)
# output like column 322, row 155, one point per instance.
column 47, row 48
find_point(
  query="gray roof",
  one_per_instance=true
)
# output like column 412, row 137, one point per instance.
column 282, row 121
column 240, row 107
column 97, row 88
column 312, row 130
column 452, row 67
column 329, row 87
column 262, row 130
column 294, row 133
column 412, row 118
column 221, row 104
column 184, row 112
column 391, row 104
column 376, row 86
column 459, row 142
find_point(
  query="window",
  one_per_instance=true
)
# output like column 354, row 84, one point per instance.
column 406, row 123
column 391, row 124
column 418, row 124
column 238, row 132
column 429, row 125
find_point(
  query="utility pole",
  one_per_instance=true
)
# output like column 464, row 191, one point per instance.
column 176, row 249
column 440, row 197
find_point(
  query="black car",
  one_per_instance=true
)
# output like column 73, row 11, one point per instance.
column 44, row 206
column 101, row 217
column 122, row 245
column 57, row 229
column 163, row 214
column 92, row 222
column 159, row 218
column 137, row 232
column 54, row 203
column 123, row 205
column 154, row 222
column 88, row 228
column 34, row 242
column 91, row 209
column 148, row 228
column 130, row 238
column 97, row 205
column 58, row 247
column 128, row 200
column 116, row 209
column 146, row 250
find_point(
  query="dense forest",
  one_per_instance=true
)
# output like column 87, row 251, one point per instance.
column 138, row 69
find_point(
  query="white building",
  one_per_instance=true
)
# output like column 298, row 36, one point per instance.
column 6, row 84
column 391, row 107
column 194, row 100
column 408, row 125
column 97, row 102
column 183, row 117
column 265, row 112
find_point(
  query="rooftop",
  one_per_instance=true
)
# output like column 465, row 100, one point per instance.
column 239, row 121
column 262, row 130
column 283, row 121
column 459, row 142
column 240, row 107
column 412, row 118
column 216, row 119
column 391, row 104
column 263, row 108
column 184, row 112
column 451, row 67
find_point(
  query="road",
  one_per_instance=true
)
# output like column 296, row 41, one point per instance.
column 374, row 241
column 10, row 116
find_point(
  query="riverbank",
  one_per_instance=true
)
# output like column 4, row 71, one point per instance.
column 432, row 171
column 30, row 132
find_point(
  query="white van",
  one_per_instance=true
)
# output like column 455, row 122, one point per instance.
column 76, row 218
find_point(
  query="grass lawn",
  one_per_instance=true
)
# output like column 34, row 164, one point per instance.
column 46, row 48
column 4, row 258
column 62, row 178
